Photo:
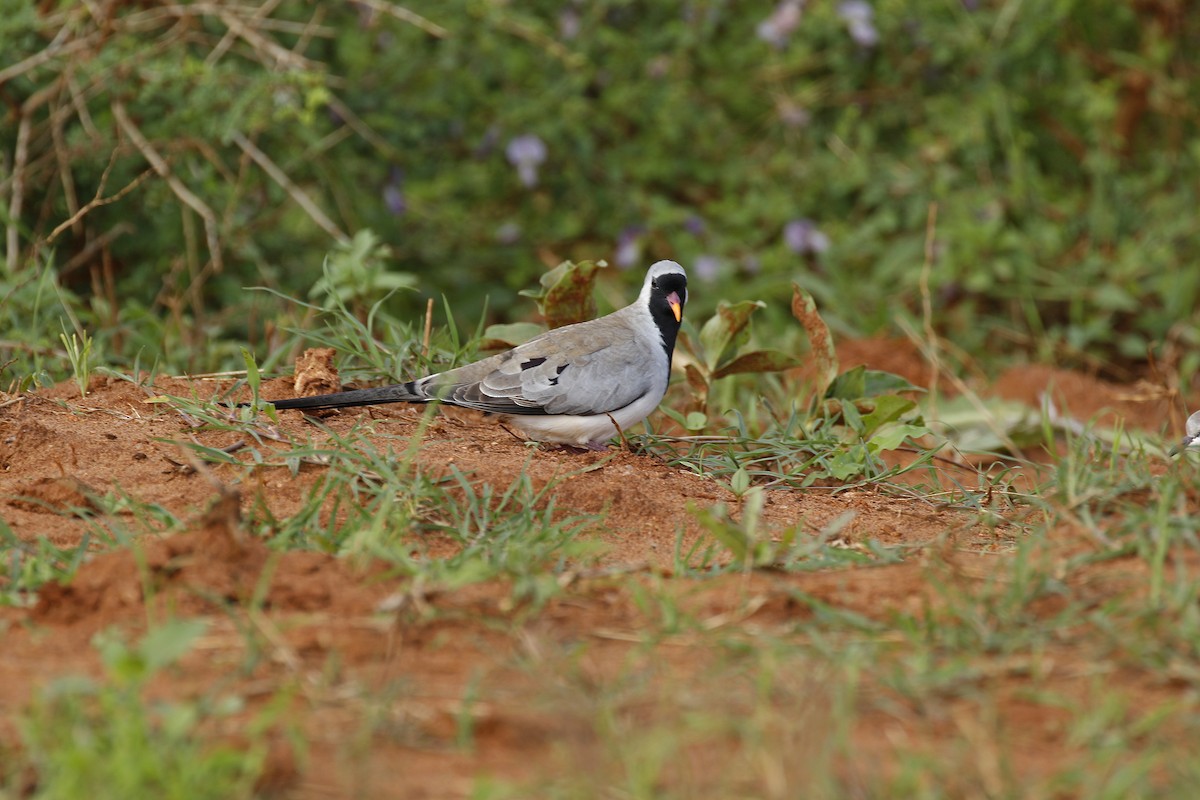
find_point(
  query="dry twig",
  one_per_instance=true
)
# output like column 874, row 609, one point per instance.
column 164, row 171
column 279, row 176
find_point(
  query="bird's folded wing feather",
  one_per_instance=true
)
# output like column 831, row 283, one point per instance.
column 590, row 369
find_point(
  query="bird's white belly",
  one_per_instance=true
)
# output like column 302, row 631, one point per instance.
column 583, row 430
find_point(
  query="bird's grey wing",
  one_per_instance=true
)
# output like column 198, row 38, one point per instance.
column 588, row 368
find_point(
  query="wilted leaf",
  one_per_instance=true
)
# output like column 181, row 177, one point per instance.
column 804, row 309
column 696, row 380
column 566, row 294
column 726, row 331
column 758, row 361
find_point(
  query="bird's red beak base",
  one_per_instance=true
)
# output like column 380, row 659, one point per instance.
column 676, row 308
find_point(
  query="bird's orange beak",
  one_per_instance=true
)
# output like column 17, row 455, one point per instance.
column 676, row 308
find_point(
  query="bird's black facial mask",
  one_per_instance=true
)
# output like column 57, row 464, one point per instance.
column 668, row 296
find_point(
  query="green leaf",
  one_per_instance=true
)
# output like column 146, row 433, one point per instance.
column 168, row 642
column 717, row 523
column 893, row 436
column 879, row 382
column 497, row 337
column 740, row 482
column 886, row 408
column 726, row 331
column 850, row 385
column 847, row 464
column 758, row 361
column 695, row 421
column 860, row 382
column 852, row 418
column 253, row 376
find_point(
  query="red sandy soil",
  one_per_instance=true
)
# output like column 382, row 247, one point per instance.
column 343, row 633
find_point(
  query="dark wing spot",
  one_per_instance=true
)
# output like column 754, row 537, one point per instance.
column 561, row 368
column 554, row 381
column 533, row 362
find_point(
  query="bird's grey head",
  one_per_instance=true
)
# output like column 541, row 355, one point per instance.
column 1192, row 438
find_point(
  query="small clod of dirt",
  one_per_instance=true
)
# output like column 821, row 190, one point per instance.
column 316, row 373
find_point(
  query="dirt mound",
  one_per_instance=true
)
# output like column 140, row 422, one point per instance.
column 383, row 677
column 204, row 571
column 55, row 495
column 1083, row 397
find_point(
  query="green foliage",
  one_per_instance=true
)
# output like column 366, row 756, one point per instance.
column 33, row 313
column 27, row 566
column 356, row 274
column 107, row 739
column 722, row 349
column 79, row 353
column 236, row 145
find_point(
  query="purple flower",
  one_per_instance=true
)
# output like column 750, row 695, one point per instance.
column 629, row 247
column 776, row 29
column 658, row 67
column 792, row 115
column 859, row 16
column 569, row 23
column 694, row 225
column 706, row 267
column 526, row 153
column 393, row 192
column 508, row 233
column 366, row 15
column 802, row 236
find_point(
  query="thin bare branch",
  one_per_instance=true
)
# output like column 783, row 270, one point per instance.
column 411, row 17
column 231, row 35
column 81, row 109
column 362, row 128
column 280, row 177
column 98, row 201
column 306, row 36
column 261, row 43
column 64, row 166
column 100, row 242
column 17, row 199
column 50, row 53
column 184, row 194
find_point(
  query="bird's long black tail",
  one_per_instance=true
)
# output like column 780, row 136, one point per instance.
column 396, row 393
